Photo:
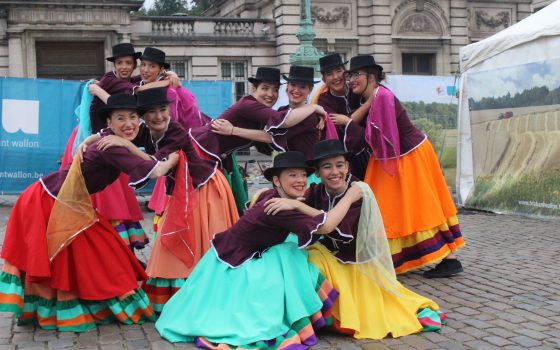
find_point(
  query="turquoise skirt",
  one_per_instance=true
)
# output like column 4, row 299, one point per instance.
column 267, row 302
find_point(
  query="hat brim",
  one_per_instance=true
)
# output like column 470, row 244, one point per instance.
column 136, row 56
column 163, row 64
column 365, row 66
column 313, row 162
column 143, row 109
column 297, row 80
column 255, row 81
column 269, row 173
column 332, row 66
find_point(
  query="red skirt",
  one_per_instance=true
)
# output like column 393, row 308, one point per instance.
column 97, row 265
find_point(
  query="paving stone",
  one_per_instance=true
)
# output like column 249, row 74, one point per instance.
column 499, row 341
column 526, row 341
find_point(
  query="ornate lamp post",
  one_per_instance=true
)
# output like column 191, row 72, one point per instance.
column 306, row 54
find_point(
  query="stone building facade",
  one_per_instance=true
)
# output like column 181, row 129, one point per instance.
column 70, row 38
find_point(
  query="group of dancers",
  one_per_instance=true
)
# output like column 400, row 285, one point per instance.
column 357, row 197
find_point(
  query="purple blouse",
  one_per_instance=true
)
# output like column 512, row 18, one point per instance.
column 256, row 231
column 113, row 85
column 303, row 136
column 101, row 168
column 339, row 104
column 341, row 243
column 246, row 113
column 176, row 138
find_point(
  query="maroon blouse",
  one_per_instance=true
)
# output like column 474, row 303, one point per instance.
column 256, row 231
column 176, row 138
column 341, row 243
column 101, row 168
column 303, row 136
column 113, row 85
column 246, row 113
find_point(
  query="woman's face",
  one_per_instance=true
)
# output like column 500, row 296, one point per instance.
column 291, row 182
column 157, row 119
column 150, row 71
column 335, row 80
column 266, row 93
column 124, row 66
column 359, row 81
column 333, row 172
column 298, row 92
column 124, row 123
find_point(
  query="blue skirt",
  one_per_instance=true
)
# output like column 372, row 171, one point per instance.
column 268, row 302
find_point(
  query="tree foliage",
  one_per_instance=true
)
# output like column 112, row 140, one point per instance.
column 444, row 114
column 432, row 130
column 177, row 7
column 535, row 96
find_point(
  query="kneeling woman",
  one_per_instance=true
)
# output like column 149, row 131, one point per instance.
column 372, row 303
column 253, row 289
column 65, row 266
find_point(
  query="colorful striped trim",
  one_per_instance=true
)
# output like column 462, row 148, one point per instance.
column 428, row 250
column 160, row 290
column 131, row 232
column 431, row 320
column 74, row 315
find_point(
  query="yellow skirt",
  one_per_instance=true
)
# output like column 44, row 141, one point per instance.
column 363, row 309
column 418, row 212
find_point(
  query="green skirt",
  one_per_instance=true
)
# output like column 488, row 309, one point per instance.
column 266, row 303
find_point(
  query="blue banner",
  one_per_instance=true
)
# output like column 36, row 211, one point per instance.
column 37, row 117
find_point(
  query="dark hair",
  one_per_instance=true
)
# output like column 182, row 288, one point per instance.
column 300, row 83
column 256, row 83
column 377, row 72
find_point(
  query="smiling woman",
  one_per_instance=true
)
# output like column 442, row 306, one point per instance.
column 55, row 240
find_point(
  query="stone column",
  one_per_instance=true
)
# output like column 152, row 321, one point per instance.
column 16, row 56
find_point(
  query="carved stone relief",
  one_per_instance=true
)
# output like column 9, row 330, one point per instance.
column 332, row 16
column 68, row 16
column 484, row 21
column 419, row 23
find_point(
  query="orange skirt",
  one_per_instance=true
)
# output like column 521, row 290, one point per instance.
column 417, row 209
column 215, row 212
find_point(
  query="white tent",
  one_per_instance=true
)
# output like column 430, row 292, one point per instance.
column 534, row 39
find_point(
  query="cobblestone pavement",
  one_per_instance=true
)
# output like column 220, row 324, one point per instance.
column 507, row 298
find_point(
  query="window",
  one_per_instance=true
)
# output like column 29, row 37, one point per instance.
column 180, row 67
column 418, row 63
column 236, row 71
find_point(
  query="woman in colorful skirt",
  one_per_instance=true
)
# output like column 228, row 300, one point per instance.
column 117, row 202
column 418, row 212
column 356, row 259
column 253, row 289
column 65, row 267
column 208, row 206
column 183, row 108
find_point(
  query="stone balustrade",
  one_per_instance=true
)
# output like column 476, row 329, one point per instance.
column 203, row 27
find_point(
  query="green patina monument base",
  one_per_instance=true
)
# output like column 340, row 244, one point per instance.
column 306, row 54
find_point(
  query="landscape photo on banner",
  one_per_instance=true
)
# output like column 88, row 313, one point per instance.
column 515, row 128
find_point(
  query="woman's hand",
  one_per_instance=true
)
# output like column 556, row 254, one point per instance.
column 222, row 127
column 173, row 158
column 321, row 124
column 339, row 119
column 320, row 110
column 275, row 205
column 112, row 141
column 354, row 193
column 94, row 88
column 173, row 79
column 80, row 150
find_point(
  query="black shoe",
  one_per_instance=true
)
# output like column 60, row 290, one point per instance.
column 446, row 268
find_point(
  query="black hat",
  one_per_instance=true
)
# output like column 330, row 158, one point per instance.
column 156, row 55
column 266, row 74
column 123, row 49
column 151, row 97
column 117, row 101
column 363, row 61
column 327, row 149
column 330, row 61
column 301, row 74
column 291, row 159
